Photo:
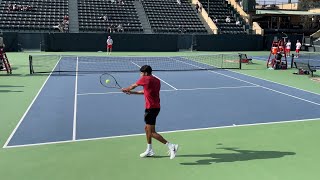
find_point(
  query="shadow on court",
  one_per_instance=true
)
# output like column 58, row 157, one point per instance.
column 240, row 155
column 13, row 74
column 8, row 86
column 8, row 91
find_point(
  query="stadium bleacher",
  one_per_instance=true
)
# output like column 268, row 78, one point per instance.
column 41, row 15
column 164, row 16
column 91, row 14
column 167, row 16
column 218, row 9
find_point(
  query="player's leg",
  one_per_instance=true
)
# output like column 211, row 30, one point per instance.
column 156, row 135
column 148, row 130
column 173, row 148
column 147, row 118
column 110, row 50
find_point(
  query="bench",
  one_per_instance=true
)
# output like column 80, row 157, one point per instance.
column 244, row 58
column 302, row 66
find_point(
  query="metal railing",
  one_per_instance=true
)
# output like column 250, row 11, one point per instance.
column 289, row 25
column 277, row 4
column 286, row 5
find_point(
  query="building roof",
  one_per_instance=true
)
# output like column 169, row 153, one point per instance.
column 284, row 12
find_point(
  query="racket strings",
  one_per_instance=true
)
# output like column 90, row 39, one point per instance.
column 109, row 81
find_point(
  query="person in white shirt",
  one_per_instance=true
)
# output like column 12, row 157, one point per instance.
column 200, row 7
column 179, row 2
column 109, row 45
column 228, row 19
column 238, row 23
column 298, row 46
column 288, row 48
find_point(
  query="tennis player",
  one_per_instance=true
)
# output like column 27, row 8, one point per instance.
column 298, row 46
column 151, row 91
column 109, row 45
column 288, row 48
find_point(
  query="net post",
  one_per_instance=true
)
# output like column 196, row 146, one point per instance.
column 191, row 48
column 30, row 65
column 292, row 60
column 222, row 60
column 240, row 62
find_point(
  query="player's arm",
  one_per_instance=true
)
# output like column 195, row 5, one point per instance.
column 136, row 92
column 129, row 89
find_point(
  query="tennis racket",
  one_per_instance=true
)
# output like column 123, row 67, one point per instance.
column 107, row 80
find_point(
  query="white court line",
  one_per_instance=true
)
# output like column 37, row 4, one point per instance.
column 171, row 90
column 318, row 104
column 5, row 146
column 74, row 129
column 277, row 83
column 25, row 113
column 164, row 132
column 234, row 87
column 157, row 77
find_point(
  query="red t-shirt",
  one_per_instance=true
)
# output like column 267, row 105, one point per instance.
column 151, row 87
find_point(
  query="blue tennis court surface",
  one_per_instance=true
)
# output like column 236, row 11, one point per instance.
column 76, row 107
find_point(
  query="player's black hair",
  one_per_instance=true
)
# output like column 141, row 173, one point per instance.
column 146, row 68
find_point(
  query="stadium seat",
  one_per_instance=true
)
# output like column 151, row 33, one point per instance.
column 219, row 10
column 93, row 11
column 47, row 12
column 169, row 17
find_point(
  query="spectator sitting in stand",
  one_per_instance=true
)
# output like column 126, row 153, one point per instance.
column 181, row 29
column 228, row 19
column 200, row 7
column 10, row 7
column 29, row 8
column 110, row 28
column 66, row 18
column 14, row 7
column 59, row 27
column 105, row 17
column 120, row 28
column 197, row 7
column 66, row 27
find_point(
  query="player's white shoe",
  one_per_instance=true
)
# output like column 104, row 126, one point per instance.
column 173, row 149
column 147, row 153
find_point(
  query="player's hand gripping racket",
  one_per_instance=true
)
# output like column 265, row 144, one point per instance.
column 107, row 80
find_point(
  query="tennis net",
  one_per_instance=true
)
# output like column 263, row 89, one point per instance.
column 312, row 58
column 58, row 63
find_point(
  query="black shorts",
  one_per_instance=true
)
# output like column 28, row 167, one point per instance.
column 150, row 116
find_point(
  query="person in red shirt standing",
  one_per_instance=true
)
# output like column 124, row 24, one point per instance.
column 151, row 91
